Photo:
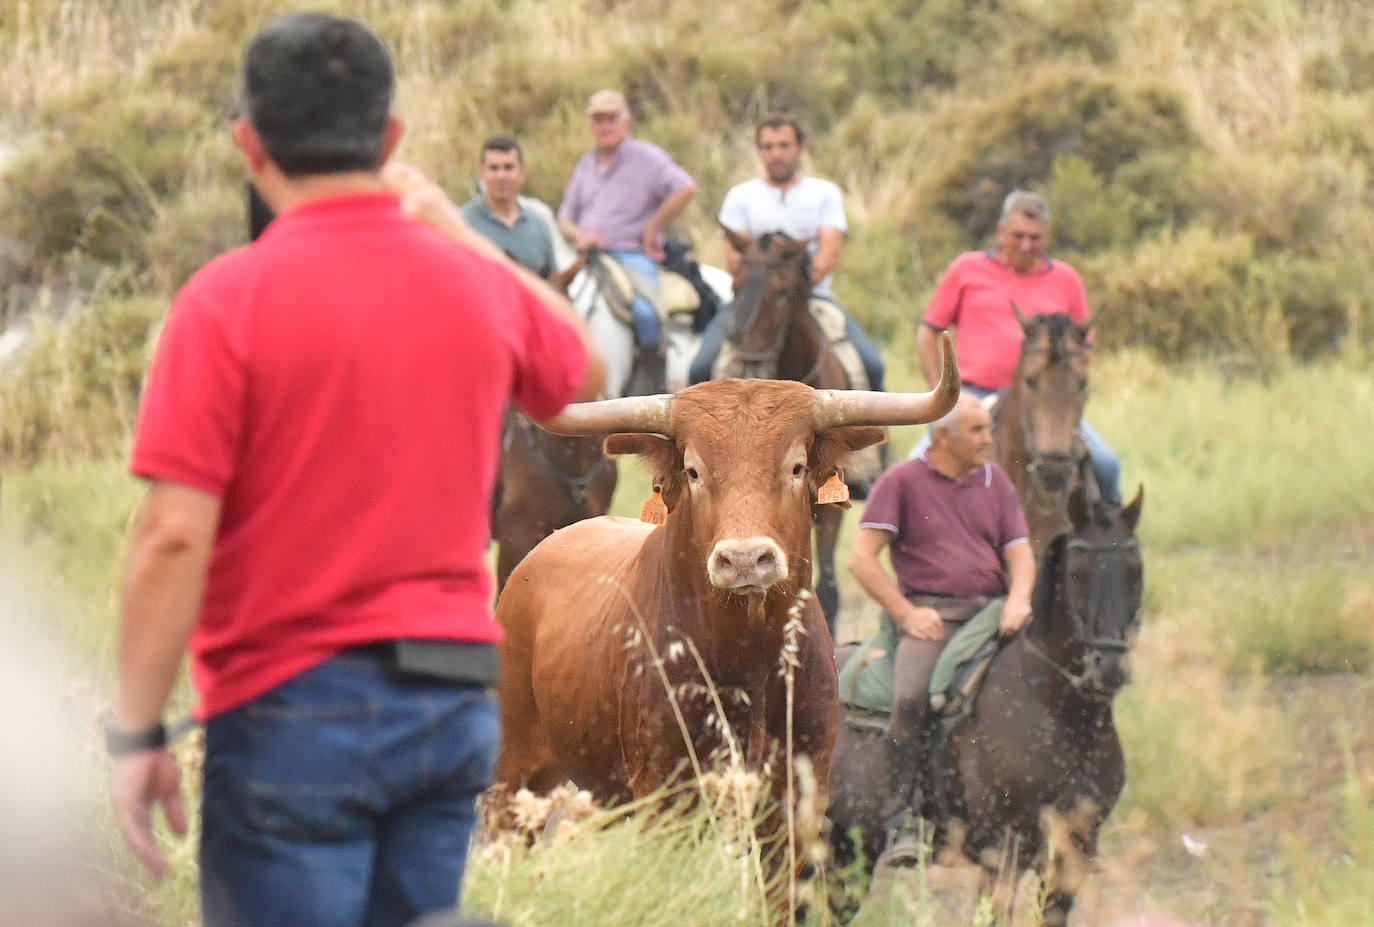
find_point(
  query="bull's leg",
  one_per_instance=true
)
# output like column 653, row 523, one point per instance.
column 827, row 519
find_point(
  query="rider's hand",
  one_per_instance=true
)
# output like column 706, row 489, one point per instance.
column 138, row 782
column 1015, row 614
column 922, row 623
column 652, row 248
column 585, row 239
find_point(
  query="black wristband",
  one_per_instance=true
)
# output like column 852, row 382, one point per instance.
column 122, row 743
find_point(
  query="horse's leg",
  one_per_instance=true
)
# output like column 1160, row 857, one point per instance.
column 827, row 518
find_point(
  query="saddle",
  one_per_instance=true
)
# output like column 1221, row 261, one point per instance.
column 619, row 285
column 866, row 680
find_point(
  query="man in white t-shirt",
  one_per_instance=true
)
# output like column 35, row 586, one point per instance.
column 803, row 208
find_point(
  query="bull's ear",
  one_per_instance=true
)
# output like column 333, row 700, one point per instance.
column 660, row 456
column 833, row 446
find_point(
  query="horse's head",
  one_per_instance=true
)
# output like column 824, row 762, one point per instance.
column 772, row 286
column 1093, row 579
column 1052, row 381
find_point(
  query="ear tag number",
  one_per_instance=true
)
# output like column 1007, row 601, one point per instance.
column 654, row 511
column 832, row 490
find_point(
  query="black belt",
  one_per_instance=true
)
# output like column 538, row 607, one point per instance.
column 951, row 607
column 464, row 662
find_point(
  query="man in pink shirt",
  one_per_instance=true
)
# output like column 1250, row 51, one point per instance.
column 975, row 296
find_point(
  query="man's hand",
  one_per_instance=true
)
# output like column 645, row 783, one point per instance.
column 140, row 781
column 1015, row 613
column 425, row 200
column 651, row 246
column 582, row 239
column 921, row 623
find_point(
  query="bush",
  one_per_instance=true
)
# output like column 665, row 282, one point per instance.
column 76, row 394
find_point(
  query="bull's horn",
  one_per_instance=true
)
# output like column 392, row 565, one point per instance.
column 630, row 414
column 859, row 407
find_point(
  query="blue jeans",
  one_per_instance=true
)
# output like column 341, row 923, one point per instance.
column 342, row 796
column 646, row 319
column 713, row 337
column 1106, row 465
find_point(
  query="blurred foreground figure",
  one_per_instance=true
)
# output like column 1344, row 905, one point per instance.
column 320, row 429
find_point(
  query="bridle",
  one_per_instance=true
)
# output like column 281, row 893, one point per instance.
column 578, row 487
column 1108, row 584
column 1035, row 458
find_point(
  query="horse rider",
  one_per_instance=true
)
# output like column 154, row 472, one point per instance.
column 975, row 295
column 958, row 539
column 497, row 213
column 621, row 196
column 805, row 208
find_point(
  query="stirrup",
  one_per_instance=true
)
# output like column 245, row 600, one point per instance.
column 905, row 844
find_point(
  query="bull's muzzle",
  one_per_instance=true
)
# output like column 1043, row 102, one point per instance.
column 745, row 564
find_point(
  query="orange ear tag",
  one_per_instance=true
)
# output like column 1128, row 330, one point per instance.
column 832, row 490
column 654, row 511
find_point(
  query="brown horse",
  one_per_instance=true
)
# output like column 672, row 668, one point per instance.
column 546, row 482
column 1035, row 768
column 1035, row 422
column 774, row 336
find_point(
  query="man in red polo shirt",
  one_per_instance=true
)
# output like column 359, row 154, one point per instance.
column 320, row 429
column 958, row 540
column 975, row 297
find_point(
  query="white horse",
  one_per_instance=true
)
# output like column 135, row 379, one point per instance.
column 616, row 336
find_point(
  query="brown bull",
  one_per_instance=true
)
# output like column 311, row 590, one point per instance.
column 604, row 620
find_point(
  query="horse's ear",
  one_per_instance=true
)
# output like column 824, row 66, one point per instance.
column 737, row 241
column 1021, row 317
column 1131, row 513
column 834, row 446
column 660, row 456
column 1046, row 575
column 1080, row 511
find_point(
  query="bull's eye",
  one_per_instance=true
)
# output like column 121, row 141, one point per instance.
column 692, row 473
column 1031, row 382
column 797, row 469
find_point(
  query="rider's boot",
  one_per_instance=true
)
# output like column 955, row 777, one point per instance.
column 650, row 363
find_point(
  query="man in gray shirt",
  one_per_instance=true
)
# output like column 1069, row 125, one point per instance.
column 498, row 215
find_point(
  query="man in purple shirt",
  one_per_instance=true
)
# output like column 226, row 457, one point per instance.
column 958, row 539
column 621, row 196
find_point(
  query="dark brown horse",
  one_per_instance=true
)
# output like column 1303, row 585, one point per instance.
column 546, row 482
column 773, row 336
column 1035, row 422
column 1030, row 775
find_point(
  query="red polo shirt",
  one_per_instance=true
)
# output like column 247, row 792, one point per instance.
column 947, row 535
column 339, row 385
column 975, row 296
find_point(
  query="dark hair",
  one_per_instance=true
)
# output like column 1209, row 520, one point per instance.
column 777, row 121
column 318, row 90
column 503, row 143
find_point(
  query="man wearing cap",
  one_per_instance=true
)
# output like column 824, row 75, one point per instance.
column 621, row 195
column 497, row 213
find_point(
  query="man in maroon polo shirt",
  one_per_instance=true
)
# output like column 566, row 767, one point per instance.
column 957, row 539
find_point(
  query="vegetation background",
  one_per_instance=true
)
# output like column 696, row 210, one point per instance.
column 1210, row 167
